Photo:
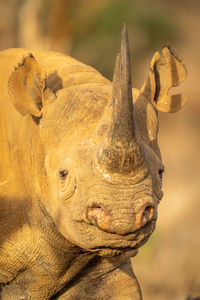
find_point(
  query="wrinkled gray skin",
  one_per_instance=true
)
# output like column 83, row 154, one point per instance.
column 85, row 179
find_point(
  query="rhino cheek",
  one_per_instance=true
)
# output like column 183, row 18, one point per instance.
column 64, row 224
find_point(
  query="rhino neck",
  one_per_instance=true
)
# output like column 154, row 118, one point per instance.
column 21, row 155
column 104, row 278
column 41, row 252
column 6, row 175
column 63, row 261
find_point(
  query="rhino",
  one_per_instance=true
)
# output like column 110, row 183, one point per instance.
column 80, row 172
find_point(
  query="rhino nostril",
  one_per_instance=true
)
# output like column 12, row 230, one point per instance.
column 147, row 215
column 94, row 212
column 99, row 216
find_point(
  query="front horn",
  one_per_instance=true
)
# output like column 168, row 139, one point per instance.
column 119, row 151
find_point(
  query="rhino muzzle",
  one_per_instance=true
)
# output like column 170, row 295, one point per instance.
column 100, row 216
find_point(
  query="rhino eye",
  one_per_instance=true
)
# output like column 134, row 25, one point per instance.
column 160, row 173
column 63, row 174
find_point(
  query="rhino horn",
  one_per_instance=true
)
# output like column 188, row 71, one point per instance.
column 123, row 123
column 119, row 151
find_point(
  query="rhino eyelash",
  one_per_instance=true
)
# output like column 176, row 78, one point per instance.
column 63, row 174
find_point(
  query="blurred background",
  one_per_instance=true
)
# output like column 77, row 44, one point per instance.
column 168, row 266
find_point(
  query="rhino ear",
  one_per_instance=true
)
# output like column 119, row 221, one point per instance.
column 26, row 86
column 166, row 71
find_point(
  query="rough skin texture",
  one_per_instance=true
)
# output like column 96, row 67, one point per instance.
column 69, row 224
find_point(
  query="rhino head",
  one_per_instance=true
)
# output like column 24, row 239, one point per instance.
column 101, row 165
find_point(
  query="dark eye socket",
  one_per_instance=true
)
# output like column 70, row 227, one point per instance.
column 63, row 174
column 160, row 173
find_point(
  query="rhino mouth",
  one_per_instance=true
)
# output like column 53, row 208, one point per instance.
column 119, row 244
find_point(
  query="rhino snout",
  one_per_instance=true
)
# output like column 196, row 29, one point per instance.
column 99, row 216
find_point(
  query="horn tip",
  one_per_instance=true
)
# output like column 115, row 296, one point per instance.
column 124, row 27
column 124, row 37
column 124, row 30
